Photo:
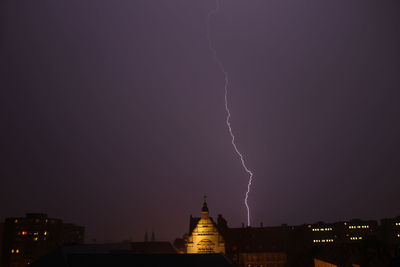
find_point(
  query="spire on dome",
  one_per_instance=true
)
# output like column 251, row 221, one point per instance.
column 205, row 208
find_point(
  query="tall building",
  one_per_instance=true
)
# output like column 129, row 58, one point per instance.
column 205, row 237
column 25, row 239
column 390, row 233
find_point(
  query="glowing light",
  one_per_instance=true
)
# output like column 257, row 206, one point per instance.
column 24, row 232
column 321, row 229
column 228, row 117
column 323, row 240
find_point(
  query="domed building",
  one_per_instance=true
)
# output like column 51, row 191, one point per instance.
column 204, row 237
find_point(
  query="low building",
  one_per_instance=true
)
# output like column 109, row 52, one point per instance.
column 28, row 238
column 110, row 255
column 257, row 246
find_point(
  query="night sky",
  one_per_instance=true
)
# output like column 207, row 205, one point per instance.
column 112, row 112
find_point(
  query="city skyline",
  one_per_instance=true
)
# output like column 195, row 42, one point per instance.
column 113, row 113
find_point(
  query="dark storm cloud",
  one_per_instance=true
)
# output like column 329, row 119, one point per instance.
column 112, row 112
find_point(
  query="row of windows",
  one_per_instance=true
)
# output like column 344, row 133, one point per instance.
column 356, row 238
column 358, row 226
column 398, row 223
column 15, row 251
column 32, row 233
column 323, row 240
column 36, row 221
column 321, row 229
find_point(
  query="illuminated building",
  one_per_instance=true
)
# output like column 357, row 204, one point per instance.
column 322, row 233
column 28, row 238
column 205, row 238
column 357, row 230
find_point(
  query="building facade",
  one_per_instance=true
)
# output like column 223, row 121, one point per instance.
column 390, row 231
column 25, row 239
column 355, row 241
column 246, row 246
column 205, row 238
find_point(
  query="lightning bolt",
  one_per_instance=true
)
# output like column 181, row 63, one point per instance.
column 228, row 112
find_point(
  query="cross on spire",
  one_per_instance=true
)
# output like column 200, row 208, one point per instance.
column 205, row 208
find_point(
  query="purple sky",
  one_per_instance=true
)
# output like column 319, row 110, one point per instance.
column 112, row 112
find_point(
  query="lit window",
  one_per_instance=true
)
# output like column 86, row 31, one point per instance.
column 24, row 232
column 12, row 251
column 17, row 251
column 35, row 233
column 16, row 221
column 35, row 239
column 45, row 233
